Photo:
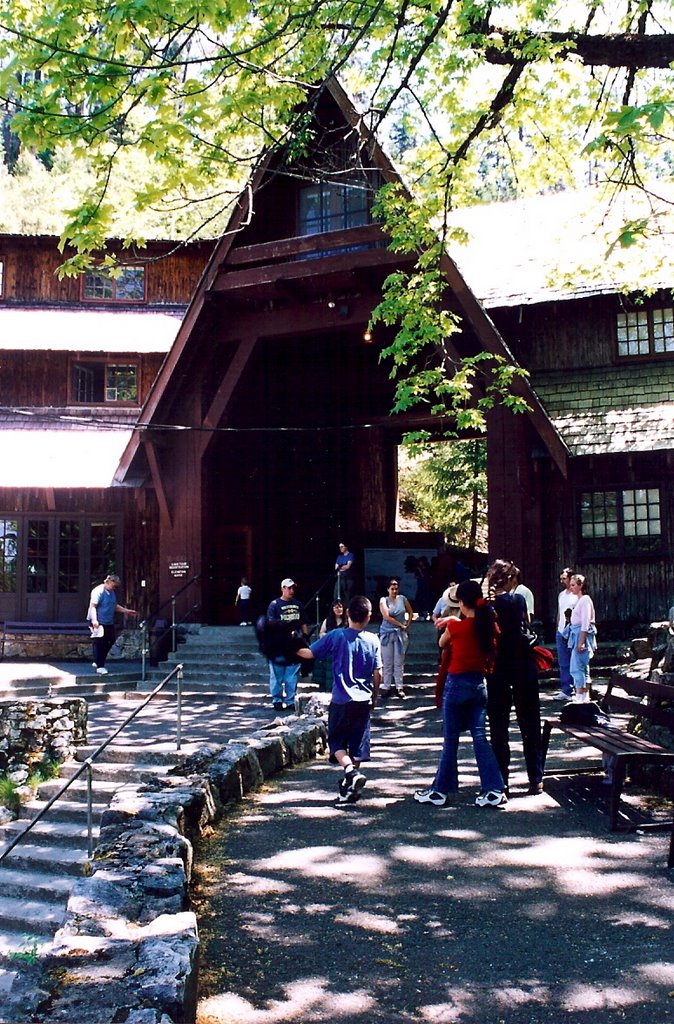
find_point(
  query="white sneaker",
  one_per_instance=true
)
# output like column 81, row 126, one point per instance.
column 493, row 798
column 102, row 671
column 94, row 665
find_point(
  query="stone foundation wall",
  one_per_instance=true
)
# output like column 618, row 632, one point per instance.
column 127, row 950
column 63, row 647
column 35, row 731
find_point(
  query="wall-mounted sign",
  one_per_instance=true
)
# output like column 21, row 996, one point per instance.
column 179, row 569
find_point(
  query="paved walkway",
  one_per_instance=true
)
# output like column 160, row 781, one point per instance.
column 392, row 913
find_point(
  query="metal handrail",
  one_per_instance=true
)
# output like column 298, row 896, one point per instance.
column 88, row 764
column 315, row 596
column 172, row 601
column 172, row 629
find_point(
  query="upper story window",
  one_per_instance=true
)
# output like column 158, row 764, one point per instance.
column 95, row 383
column 645, row 332
column 328, row 206
column 2, row 278
column 128, row 286
column 621, row 522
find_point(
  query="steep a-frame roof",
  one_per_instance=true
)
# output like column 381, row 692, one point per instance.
column 214, row 281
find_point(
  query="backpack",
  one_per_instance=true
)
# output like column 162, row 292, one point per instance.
column 583, row 715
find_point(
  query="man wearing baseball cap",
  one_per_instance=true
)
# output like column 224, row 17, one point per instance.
column 286, row 624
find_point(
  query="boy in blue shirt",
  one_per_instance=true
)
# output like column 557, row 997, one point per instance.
column 356, row 677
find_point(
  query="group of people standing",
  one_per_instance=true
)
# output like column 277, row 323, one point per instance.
column 488, row 670
column 576, row 637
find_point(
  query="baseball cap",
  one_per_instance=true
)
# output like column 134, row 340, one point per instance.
column 287, row 582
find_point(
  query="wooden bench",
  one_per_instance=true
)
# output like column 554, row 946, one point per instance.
column 25, row 631
column 626, row 749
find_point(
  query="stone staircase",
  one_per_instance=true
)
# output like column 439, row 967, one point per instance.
column 219, row 662
column 37, row 876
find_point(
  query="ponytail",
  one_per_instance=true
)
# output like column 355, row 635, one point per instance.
column 470, row 593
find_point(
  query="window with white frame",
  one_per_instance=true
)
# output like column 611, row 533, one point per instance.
column 645, row 332
column 621, row 522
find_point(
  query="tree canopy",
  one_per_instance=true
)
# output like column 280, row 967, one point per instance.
column 477, row 99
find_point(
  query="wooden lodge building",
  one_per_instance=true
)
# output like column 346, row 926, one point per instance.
column 77, row 359
column 249, row 431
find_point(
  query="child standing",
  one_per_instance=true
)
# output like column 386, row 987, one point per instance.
column 356, row 677
column 464, row 701
column 243, row 600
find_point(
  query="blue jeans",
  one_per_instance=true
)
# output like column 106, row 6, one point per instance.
column 564, row 661
column 580, row 660
column 280, row 676
column 464, row 706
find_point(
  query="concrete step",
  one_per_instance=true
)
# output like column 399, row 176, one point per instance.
column 18, row 945
column 67, row 810
column 53, row 831
column 50, row 888
column 32, row 856
column 118, row 773
column 150, row 753
column 77, row 793
column 29, row 917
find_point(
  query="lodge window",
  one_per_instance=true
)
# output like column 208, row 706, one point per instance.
column 645, row 332
column 621, row 522
column 37, row 556
column 49, row 564
column 328, row 206
column 96, row 383
column 127, row 286
column 9, row 529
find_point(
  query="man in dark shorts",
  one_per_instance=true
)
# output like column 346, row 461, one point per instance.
column 356, row 677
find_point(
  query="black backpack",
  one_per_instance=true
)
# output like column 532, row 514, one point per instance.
column 583, row 715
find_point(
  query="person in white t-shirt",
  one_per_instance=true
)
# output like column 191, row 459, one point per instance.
column 566, row 600
column 242, row 599
column 527, row 595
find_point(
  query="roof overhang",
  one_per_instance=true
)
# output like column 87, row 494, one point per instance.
column 88, row 330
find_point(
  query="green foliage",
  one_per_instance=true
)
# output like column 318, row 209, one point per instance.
column 168, row 107
column 28, row 955
column 444, row 487
column 9, row 796
column 48, row 769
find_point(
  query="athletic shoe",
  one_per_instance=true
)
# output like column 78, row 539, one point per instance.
column 493, row 798
column 562, row 696
column 346, row 801
column 430, row 796
column 102, row 671
column 355, row 781
column 277, row 706
column 400, row 693
column 94, row 665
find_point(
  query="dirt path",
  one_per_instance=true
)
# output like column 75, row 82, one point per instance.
column 395, row 913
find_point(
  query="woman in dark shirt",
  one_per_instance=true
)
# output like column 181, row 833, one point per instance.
column 514, row 680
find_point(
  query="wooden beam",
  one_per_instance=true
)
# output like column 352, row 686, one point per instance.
column 224, row 393
column 268, row 252
column 346, row 262
column 158, row 482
